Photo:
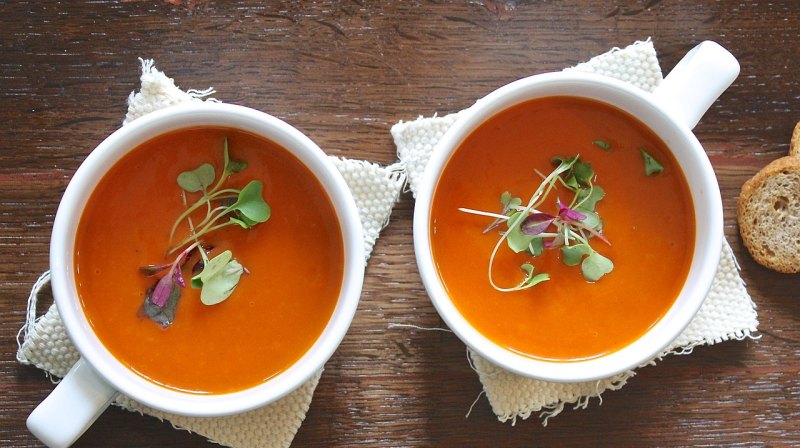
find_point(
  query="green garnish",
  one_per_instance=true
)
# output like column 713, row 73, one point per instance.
column 602, row 144
column 530, row 230
column 218, row 279
column 651, row 165
column 217, row 276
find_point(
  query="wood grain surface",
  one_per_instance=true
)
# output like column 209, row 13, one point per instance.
column 343, row 73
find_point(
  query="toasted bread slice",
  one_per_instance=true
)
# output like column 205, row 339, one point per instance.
column 794, row 143
column 769, row 215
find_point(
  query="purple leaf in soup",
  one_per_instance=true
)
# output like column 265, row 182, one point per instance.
column 536, row 223
column 162, row 315
column 162, row 290
column 177, row 275
column 568, row 214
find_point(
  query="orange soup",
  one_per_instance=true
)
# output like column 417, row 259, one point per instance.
column 648, row 221
column 292, row 275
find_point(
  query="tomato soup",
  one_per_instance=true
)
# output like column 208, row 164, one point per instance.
column 283, row 301
column 648, row 221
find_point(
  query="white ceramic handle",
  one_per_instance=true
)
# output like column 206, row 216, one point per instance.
column 72, row 407
column 696, row 82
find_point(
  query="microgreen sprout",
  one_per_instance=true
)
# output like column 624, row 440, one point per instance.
column 651, row 165
column 602, row 144
column 571, row 228
column 216, row 277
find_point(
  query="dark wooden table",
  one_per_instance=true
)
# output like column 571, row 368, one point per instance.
column 343, row 73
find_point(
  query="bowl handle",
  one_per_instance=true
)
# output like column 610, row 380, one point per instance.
column 72, row 407
column 696, row 82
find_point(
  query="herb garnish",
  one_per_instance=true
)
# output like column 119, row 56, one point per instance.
column 651, row 165
column 602, row 144
column 216, row 277
column 528, row 229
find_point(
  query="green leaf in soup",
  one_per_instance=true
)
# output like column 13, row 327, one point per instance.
column 536, row 247
column 508, row 201
column 572, row 255
column 583, row 172
column 197, row 179
column 528, row 269
column 602, row 144
column 530, row 279
column 587, row 198
column 219, row 286
column 592, row 219
column 242, row 221
column 231, row 166
column 516, row 240
column 250, row 203
column 651, row 165
column 211, row 268
column 561, row 161
column 596, row 266
column 538, row 278
column 572, row 183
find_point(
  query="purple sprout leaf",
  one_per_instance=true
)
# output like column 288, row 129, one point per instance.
column 536, row 223
column 163, row 290
column 162, row 315
column 568, row 214
column 177, row 276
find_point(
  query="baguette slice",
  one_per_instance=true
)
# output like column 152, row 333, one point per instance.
column 769, row 215
column 794, row 143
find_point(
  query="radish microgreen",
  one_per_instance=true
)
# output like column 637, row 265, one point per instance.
column 602, row 144
column 216, row 277
column 571, row 228
column 651, row 165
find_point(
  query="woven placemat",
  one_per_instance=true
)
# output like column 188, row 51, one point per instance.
column 43, row 341
column 727, row 313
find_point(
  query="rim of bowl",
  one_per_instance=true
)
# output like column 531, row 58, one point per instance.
column 115, row 147
column 707, row 204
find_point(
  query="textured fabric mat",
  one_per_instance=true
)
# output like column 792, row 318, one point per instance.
column 44, row 342
column 727, row 313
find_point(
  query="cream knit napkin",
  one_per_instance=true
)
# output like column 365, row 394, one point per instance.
column 45, row 344
column 727, row 313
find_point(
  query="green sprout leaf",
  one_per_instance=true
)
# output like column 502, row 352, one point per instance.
column 231, row 166
column 572, row 183
column 517, row 240
column 211, row 268
column 530, row 279
column 583, row 172
column 536, row 247
column 197, row 179
column 218, row 279
column 587, row 198
column 572, row 255
column 595, row 266
column 509, row 202
column 651, row 165
column 242, row 221
column 220, row 286
column 602, row 144
column 250, row 203
column 591, row 220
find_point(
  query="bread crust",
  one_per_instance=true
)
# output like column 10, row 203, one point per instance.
column 794, row 143
column 769, row 215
